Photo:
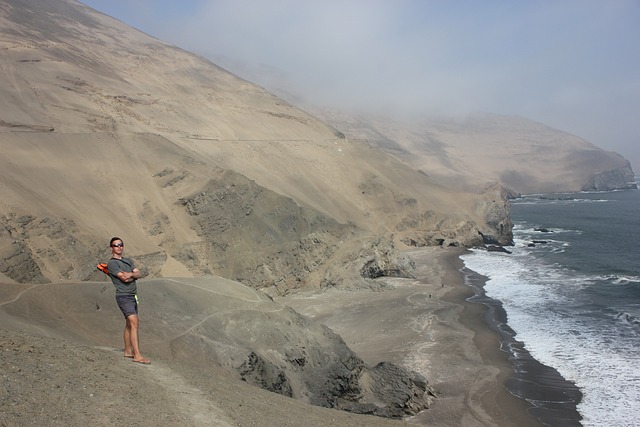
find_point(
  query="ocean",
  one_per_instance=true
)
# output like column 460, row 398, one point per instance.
column 568, row 297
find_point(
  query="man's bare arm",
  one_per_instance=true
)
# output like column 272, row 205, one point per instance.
column 125, row 277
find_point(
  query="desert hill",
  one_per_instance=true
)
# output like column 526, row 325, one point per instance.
column 107, row 131
column 525, row 156
column 223, row 329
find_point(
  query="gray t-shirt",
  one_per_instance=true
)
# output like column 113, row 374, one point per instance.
column 115, row 266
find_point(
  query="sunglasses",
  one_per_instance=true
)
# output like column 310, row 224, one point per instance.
column 118, row 245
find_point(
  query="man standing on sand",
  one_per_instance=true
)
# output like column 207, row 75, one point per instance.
column 123, row 275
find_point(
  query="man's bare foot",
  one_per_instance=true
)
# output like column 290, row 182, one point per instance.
column 143, row 360
column 130, row 356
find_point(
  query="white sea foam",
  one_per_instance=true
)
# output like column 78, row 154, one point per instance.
column 560, row 330
column 622, row 280
column 627, row 318
column 539, row 201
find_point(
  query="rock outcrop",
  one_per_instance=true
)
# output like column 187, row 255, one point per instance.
column 615, row 179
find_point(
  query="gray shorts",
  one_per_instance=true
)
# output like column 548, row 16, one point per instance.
column 128, row 304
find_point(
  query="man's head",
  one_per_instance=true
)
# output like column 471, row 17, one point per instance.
column 117, row 246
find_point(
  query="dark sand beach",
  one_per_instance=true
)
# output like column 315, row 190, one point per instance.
column 504, row 407
column 553, row 399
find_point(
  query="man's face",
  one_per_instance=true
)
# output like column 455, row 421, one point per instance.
column 117, row 247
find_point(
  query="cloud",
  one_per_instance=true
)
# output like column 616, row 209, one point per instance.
column 569, row 63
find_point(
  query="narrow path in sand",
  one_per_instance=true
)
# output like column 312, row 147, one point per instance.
column 19, row 295
column 191, row 402
column 255, row 303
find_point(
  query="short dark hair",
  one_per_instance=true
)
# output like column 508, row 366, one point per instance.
column 113, row 239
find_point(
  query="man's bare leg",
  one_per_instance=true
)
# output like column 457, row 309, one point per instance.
column 128, row 349
column 133, row 323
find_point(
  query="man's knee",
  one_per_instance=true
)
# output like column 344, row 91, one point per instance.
column 133, row 321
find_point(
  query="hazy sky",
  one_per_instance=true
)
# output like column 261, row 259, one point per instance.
column 571, row 64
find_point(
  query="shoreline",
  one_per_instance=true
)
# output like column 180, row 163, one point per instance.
column 505, row 408
column 515, row 410
column 546, row 395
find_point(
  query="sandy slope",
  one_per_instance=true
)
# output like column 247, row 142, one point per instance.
column 210, row 325
column 468, row 152
column 106, row 131
column 66, row 355
column 56, row 382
